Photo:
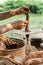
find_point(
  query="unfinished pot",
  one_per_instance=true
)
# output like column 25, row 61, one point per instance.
column 35, row 58
column 15, row 49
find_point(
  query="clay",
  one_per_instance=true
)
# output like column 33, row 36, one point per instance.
column 16, row 50
column 34, row 61
column 15, row 47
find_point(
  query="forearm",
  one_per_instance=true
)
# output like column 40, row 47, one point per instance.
column 20, row 10
column 5, row 15
column 7, row 27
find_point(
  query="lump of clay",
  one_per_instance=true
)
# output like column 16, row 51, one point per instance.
column 35, row 61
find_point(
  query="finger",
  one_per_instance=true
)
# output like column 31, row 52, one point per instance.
column 25, row 7
column 23, row 25
column 26, row 22
column 26, row 12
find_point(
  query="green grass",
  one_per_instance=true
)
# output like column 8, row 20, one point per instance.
column 35, row 21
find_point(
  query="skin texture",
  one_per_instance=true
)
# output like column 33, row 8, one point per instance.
column 15, row 25
column 21, row 10
column 19, row 24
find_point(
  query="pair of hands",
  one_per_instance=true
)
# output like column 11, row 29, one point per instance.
column 21, row 23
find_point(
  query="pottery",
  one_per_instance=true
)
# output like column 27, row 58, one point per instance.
column 15, row 49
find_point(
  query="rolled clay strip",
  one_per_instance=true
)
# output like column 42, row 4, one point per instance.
column 37, row 54
column 34, row 61
column 19, row 60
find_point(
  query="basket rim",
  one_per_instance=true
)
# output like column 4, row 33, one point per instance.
column 5, row 50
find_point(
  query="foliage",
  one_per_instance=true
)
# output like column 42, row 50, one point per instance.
column 35, row 6
column 11, row 4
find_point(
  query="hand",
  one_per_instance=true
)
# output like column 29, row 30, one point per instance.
column 19, row 24
column 23, row 10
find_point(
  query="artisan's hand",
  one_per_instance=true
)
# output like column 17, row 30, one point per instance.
column 23, row 10
column 19, row 24
column 20, row 10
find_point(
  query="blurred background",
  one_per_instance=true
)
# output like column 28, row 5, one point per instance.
column 36, row 13
column 36, row 6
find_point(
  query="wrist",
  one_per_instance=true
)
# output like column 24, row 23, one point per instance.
column 13, row 12
column 17, row 11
